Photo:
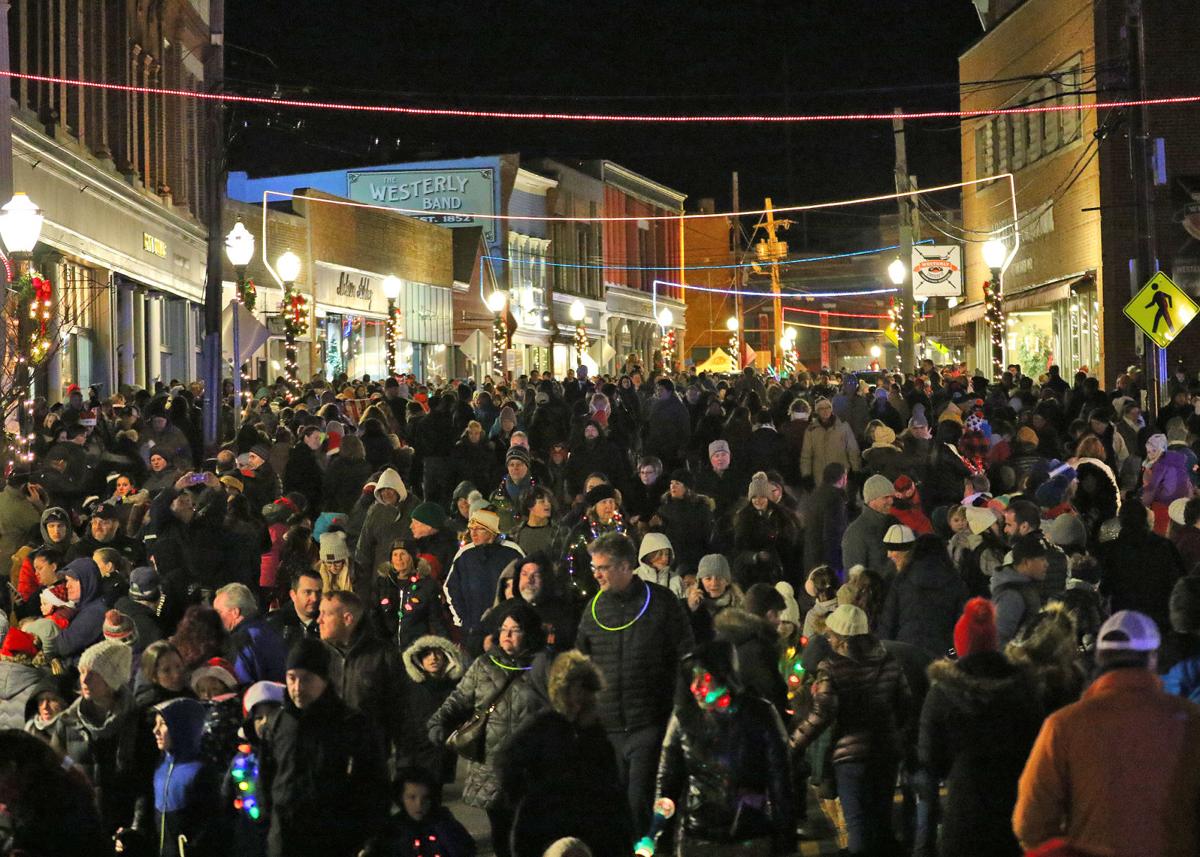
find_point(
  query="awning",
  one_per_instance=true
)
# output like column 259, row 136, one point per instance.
column 967, row 313
column 1043, row 295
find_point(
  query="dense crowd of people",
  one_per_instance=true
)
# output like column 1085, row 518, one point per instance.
column 960, row 616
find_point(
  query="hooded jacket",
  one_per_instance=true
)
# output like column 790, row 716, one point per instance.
column 758, row 649
column 667, row 578
column 384, row 524
column 922, row 605
column 186, row 793
column 88, row 625
column 1016, row 599
column 423, row 695
column 979, row 721
column 19, row 680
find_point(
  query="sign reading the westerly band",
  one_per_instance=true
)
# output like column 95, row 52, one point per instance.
column 450, row 197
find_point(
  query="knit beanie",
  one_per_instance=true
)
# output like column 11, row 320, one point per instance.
column 334, row 547
column 119, row 627
column 877, row 486
column 975, row 630
column 714, row 565
column 519, row 453
column 1067, row 531
column 682, row 476
column 718, row 446
column 309, row 654
column 791, row 610
column 430, row 514
column 111, row 660
column 760, row 486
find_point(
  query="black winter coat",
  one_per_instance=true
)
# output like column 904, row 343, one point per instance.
column 688, row 523
column 562, row 780
column 343, row 483
column 303, row 473
column 825, row 524
column 366, row 675
column 424, row 695
column 639, row 662
column 979, row 722
column 409, row 607
column 864, row 700
column 323, row 769
column 922, row 605
column 771, row 538
column 712, row 763
column 757, row 645
column 1138, row 572
column 476, row 463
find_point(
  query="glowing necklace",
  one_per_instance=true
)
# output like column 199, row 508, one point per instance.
column 628, row 624
column 506, row 667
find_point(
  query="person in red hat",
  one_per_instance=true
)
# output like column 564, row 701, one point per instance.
column 907, row 506
column 21, row 670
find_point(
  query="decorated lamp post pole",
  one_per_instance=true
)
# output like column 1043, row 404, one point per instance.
column 789, row 351
column 20, row 228
column 734, row 343
column 391, row 291
column 579, row 316
column 239, row 248
column 294, row 310
column 666, row 321
column 496, row 303
column 995, row 254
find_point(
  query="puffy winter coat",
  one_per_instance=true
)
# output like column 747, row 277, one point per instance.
column 258, row 651
column 979, row 721
column 1169, row 479
column 1017, row 602
column 323, row 768
column 18, row 682
column 471, row 584
column 384, row 524
column 104, row 746
column 639, row 661
column 186, row 790
column 826, row 444
column 922, row 605
column 729, row 774
column 519, row 703
column 863, row 699
column 688, row 523
column 758, row 651
column 424, row 695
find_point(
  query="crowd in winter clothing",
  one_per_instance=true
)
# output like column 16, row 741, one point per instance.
column 771, row 604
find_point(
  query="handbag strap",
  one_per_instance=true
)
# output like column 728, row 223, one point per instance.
column 489, row 705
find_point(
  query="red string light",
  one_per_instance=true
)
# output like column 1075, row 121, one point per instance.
column 540, row 116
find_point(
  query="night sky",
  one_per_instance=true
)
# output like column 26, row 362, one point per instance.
column 809, row 56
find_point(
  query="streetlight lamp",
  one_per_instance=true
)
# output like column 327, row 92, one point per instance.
column 578, row 315
column 239, row 248
column 789, row 350
column 294, row 309
column 905, row 332
column 496, row 302
column 666, row 322
column 995, row 255
column 391, row 291
column 21, row 224
column 734, row 345
column 876, row 352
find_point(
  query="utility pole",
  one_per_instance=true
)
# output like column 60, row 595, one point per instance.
column 735, row 244
column 214, row 74
column 908, row 348
column 773, row 251
column 1146, row 256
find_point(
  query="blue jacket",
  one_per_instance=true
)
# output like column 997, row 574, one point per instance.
column 87, row 626
column 185, row 791
column 1183, row 679
column 257, row 651
column 471, row 583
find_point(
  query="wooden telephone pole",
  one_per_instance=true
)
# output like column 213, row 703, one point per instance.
column 772, row 251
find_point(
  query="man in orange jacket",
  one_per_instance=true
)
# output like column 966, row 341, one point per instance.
column 1117, row 773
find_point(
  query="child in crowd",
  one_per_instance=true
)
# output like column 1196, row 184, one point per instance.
column 657, row 557
column 114, row 574
column 243, row 788
column 422, row 827
column 433, row 667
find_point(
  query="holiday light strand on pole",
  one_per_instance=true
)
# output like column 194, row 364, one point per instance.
column 667, row 346
column 994, row 313
column 294, row 308
column 499, row 337
column 561, row 116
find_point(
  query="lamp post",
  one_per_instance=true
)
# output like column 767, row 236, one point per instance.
column 789, row 350
column 995, row 255
column 666, row 322
column 391, row 291
column 496, row 302
column 905, row 333
column 294, row 310
column 239, row 248
column 579, row 315
column 21, row 224
column 734, row 345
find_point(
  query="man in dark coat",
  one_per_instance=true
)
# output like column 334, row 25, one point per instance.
column 257, row 651
column 364, row 670
column 724, row 481
column 186, row 540
column 471, row 582
column 754, row 633
column 322, row 766
column 767, row 449
column 825, row 520
column 668, row 426
column 304, row 472
column 636, row 632
column 298, row 620
column 104, row 531
column 926, row 597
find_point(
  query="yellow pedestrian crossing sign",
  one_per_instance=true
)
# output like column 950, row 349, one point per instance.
column 1161, row 309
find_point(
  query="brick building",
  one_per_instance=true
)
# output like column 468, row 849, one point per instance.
column 1066, row 287
column 119, row 177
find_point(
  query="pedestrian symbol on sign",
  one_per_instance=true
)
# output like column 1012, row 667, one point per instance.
column 1161, row 309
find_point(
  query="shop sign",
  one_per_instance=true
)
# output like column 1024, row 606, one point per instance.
column 154, row 245
column 351, row 290
column 937, row 271
column 1161, row 309
column 450, row 197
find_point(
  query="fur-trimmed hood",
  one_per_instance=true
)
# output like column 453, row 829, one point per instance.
column 570, row 667
column 739, row 626
column 454, row 668
column 980, row 681
column 1050, row 639
column 423, row 569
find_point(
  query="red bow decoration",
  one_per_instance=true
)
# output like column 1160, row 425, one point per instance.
column 39, row 307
